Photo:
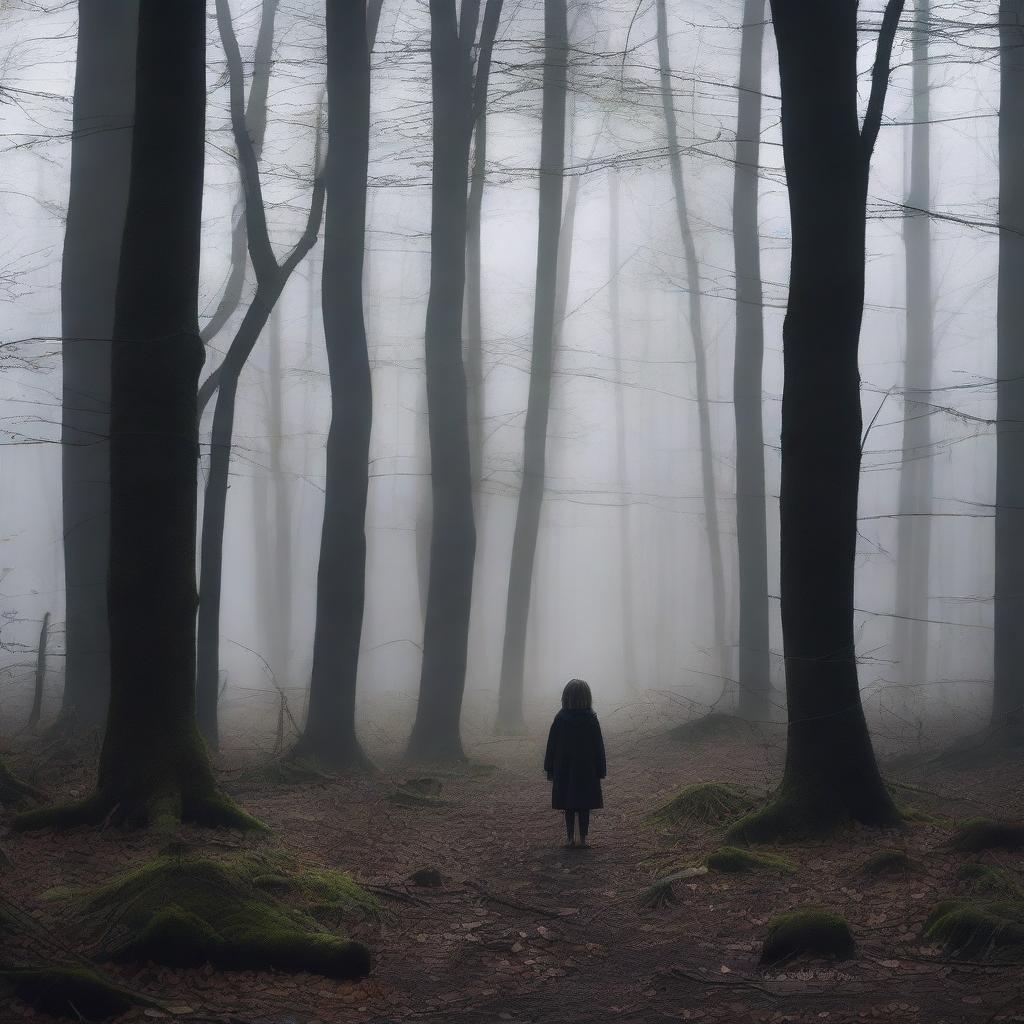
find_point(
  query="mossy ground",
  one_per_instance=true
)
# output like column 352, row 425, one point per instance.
column 707, row 803
column 979, row 834
column 888, row 862
column 972, row 929
column 733, row 860
column 188, row 910
column 810, row 930
column 76, row 992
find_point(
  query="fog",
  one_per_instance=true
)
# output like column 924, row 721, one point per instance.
column 622, row 580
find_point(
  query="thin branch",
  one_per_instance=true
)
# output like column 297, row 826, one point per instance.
column 880, row 76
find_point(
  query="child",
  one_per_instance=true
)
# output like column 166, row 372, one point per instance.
column 574, row 761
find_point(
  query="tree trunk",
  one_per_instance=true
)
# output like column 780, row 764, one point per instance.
column 830, row 771
column 699, row 349
column 531, row 491
column 1008, row 690
column 271, row 277
column 330, row 730
column 153, row 766
column 435, row 733
column 100, row 165
column 751, row 518
column 40, row 679
column 279, row 628
column 621, row 459
column 914, row 530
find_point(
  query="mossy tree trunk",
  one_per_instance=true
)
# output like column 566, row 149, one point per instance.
column 330, row 729
column 1008, row 690
column 531, row 488
column 435, row 734
column 98, row 196
column 154, row 766
column 830, row 772
column 751, row 515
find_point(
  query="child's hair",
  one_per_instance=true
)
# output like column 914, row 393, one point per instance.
column 576, row 696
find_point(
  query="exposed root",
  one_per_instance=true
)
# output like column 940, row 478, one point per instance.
column 708, row 803
column 979, row 834
column 76, row 992
column 810, row 930
column 14, row 792
column 974, row 929
column 732, row 860
column 662, row 891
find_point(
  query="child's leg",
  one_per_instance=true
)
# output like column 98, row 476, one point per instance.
column 569, row 825
column 584, row 824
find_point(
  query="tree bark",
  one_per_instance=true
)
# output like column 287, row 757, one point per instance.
column 531, row 491
column 435, row 734
column 830, row 771
column 754, row 673
column 330, row 729
column 100, row 165
column 271, row 277
column 913, row 544
column 1008, row 688
column 621, row 432
column 40, row 679
column 154, row 768
column 699, row 348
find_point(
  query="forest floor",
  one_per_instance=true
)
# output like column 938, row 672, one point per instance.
column 522, row 930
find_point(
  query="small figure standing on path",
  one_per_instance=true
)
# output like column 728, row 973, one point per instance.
column 575, row 761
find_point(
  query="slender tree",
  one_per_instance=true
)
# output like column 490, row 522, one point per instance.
column 531, row 489
column 1008, row 692
column 751, row 516
column 271, row 277
column 913, row 544
column 435, row 733
column 621, row 430
column 830, row 772
column 330, row 729
column 696, row 315
column 154, row 767
column 100, row 164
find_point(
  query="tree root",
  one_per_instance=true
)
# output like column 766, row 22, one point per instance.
column 14, row 792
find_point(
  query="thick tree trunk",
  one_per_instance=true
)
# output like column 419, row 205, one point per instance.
column 699, row 348
column 330, row 730
column 621, row 430
column 751, row 517
column 435, row 733
column 1008, row 690
column 914, row 531
column 830, row 772
column 100, row 165
column 154, row 767
column 531, row 491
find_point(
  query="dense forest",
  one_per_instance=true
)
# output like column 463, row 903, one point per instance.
column 512, row 510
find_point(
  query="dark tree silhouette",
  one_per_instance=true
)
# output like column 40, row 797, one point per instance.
column 830, row 772
column 913, row 545
column 696, row 318
column 154, row 767
column 330, row 729
column 100, row 163
column 435, row 733
column 271, row 277
column 1008, row 691
column 751, row 518
column 535, row 432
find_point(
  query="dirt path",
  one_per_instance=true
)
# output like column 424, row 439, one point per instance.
column 522, row 930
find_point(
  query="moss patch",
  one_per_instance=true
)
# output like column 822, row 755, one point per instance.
column 185, row 911
column 733, row 860
column 708, row 803
column 979, row 834
column 980, row 879
column 810, row 930
column 972, row 929
column 888, row 862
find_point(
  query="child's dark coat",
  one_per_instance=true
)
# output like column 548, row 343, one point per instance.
column 575, row 760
